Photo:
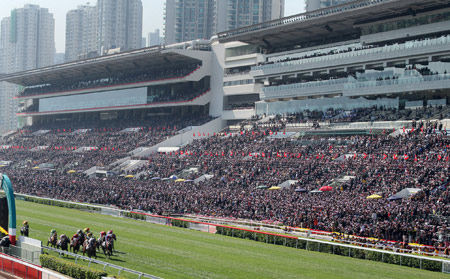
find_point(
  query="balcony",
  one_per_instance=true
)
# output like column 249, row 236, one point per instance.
column 407, row 50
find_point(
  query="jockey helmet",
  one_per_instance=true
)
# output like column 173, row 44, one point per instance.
column 110, row 231
column 53, row 231
column 90, row 234
column 75, row 235
column 86, row 229
column 62, row 236
column 25, row 222
column 79, row 231
column 102, row 233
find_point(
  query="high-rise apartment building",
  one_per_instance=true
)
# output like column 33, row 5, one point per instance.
column 27, row 41
column 119, row 25
column 81, row 33
column 187, row 20
column 312, row 5
column 199, row 19
column 154, row 38
column 233, row 14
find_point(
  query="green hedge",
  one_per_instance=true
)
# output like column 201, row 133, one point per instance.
column 179, row 223
column 133, row 215
column 332, row 249
column 70, row 269
column 58, row 203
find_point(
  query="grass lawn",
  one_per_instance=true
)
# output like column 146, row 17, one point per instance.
column 172, row 252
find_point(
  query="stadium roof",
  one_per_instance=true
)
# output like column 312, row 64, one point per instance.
column 124, row 61
column 336, row 21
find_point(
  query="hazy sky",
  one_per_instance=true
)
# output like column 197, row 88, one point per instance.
column 153, row 13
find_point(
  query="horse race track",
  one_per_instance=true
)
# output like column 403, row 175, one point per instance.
column 172, row 252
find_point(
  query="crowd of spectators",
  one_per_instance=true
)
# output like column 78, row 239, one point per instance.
column 246, row 159
column 62, row 147
column 116, row 79
column 338, row 50
column 370, row 114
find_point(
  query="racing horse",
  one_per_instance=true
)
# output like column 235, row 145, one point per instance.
column 63, row 243
column 75, row 245
column 24, row 230
column 89, row 247
column 107, row 247
column 52, row 240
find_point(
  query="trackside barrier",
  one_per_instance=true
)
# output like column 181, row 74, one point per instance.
column 410, row 260
column 120, row 269
column 422, row 262
column 26, row 270
column 22, row 253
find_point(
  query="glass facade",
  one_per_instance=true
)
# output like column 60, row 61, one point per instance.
column 126, row 97
column 405, row 23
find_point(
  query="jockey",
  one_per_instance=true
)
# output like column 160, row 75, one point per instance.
column 53, row 233
column 91, row 239
column 109, row 236
column 87, row 230
column 25, row 228
column 62, row 237
column 81, row 235
column 75, row 237
column 102, row 236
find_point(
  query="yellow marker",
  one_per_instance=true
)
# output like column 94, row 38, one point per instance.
column 2, row 230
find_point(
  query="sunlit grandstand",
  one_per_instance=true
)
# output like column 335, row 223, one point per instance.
column 331, row 125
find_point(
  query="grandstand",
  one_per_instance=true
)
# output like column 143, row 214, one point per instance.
column 325, row 109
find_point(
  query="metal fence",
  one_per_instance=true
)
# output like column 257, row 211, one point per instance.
column 26, row 270
column 119, row 269
column 21, row 253
column 387, row 256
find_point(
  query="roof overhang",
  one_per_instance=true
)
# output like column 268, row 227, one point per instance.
column 337, row 21
column 147, row 58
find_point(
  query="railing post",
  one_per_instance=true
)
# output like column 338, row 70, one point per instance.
column 420, row 263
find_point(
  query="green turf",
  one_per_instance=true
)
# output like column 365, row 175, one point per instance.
column 172, row 252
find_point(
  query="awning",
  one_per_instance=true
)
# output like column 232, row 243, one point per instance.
column 326, row 189
column 167, row 149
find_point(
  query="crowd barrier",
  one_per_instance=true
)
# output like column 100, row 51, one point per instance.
column 120, row 269
column 26, row 270
column 411, row 258
column 402, row 257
